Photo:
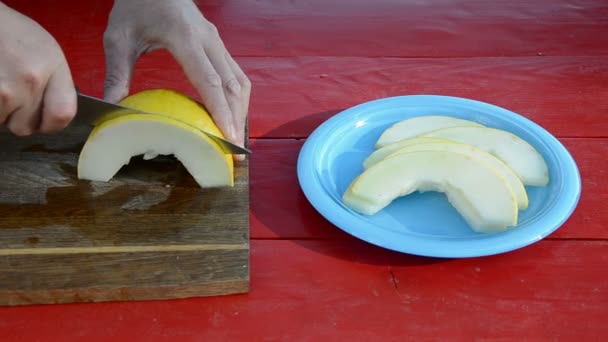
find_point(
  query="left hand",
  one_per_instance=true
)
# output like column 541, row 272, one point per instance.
column 36, row 88
column 139, row 26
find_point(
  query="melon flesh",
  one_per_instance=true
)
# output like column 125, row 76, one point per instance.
column 114, row 142
column 419, row 125
column 385, row 151
column 518, row 154
column 476, row 191
column 494, row 163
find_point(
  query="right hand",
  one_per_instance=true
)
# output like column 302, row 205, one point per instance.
column 37, row 93
column 136, row 27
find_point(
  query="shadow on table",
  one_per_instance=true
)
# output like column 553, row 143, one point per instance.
column 311, row 226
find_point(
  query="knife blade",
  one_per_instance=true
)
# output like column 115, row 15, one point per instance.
column 93, row 108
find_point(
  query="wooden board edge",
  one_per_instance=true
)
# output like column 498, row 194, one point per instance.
column 100, row 294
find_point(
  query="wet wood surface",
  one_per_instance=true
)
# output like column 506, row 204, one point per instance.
column 149, row 233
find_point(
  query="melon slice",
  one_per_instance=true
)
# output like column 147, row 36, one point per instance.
column 518, row 154
column 385, row 151
column 483, row 198
column 496, row 164
column 419, row 125
column 115, row 139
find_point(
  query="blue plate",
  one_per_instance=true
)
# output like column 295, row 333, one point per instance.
column 425, row 223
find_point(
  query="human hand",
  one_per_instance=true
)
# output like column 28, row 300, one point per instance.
column 37, row 93
column 136, row 27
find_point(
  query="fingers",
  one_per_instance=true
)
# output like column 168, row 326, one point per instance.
column 231, row 88
column 120, row 58
column 20, row 99
column 20, row 102
column 8, row 101
column 36, row 89
column 208, row 83
column 45, row 106
column 25, row 119
column 223, row 86
column 59, row 101
column 240, row 116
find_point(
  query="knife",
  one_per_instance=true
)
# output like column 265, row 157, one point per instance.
column 93, row 108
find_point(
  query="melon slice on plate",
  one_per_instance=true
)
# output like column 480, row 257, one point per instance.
column 385, row 151
column 479, row 193
column 496, row 164
column 517, row 153
column 115, row 139
column 419, row 125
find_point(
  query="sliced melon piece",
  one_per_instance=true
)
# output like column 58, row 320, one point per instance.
column 384, row 151
column 517, row 153
column 419, row 125
column 496, row 164
column 117, row 138
column 477, row 192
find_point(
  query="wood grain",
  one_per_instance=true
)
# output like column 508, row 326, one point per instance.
column 282, row 211
column 436, row 28
column 91, row 275
column 126, row 231
column 351, row 290
column 149, row 233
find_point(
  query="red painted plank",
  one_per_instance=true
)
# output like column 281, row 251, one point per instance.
column 590, row 219
column 414, row 28
column 280, row 210
column 349, row 290
column 292, row 96
column 364, row 28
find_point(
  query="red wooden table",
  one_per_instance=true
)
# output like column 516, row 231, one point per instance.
column 545, row 59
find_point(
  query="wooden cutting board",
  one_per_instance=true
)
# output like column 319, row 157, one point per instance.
column 150, row 233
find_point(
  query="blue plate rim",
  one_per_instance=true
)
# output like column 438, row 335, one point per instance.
column 345, row 219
